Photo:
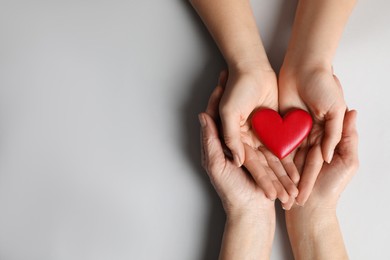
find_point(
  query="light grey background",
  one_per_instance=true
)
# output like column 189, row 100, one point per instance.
column 99, row 153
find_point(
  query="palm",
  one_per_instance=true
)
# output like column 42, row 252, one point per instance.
column 321, row 95
column 246, row 92
column 317, row 94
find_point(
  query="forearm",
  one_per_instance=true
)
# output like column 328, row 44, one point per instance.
column 233, row 27
column 248, row 237
column 315, row 234
column 317, row 30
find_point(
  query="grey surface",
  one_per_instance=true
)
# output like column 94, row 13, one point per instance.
column 99, row 135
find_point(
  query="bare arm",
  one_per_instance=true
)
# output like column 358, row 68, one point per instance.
column 315, row 234
column 233, row 27
column 251, row 83
column 248, row 235
column 306, row 81
column 317, row 30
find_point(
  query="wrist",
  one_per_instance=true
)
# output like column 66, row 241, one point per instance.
column 248, row 235
column 252, row 214
column 309, row 217
column 291, row 71
column 253, row 60
column 259, row 71
column 305, row 66
column 315, row 233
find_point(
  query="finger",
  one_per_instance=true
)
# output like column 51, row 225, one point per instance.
column 313, row 165
column 255, row 163
column 282, row 194
column 211, row 146
column 333, row 126
column 348, row 146
column 291, row 169
column 215, row 98
column 300, row 159
column 288, row 205
column 232, row 136
column 223, row 76
column 280, row 172
column 349, row 127
column 333, row 130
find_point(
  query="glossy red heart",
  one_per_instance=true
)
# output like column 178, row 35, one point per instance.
column 281, row 135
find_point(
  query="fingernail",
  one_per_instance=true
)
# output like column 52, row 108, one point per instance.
column 237, row 160
column 202, row 121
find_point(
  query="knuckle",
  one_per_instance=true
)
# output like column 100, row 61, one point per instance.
column 273, row 159
column 313, row 163
column 207, row 141
column 318, row 112
column 229, row 140
column 271, row 194
column 214, row 165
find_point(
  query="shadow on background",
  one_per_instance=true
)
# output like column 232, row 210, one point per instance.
column 199, row 89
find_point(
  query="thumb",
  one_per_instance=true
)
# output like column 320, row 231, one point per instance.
column 232, row 136
column 333, row 132
column 213, row 158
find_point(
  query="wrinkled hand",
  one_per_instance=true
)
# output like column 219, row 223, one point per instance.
column 266, row 170
column 320, row 93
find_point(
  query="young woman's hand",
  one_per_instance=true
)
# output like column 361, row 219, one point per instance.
column 320, row 93
column 248, row 87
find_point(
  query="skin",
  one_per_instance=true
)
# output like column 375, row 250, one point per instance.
column 270, row 174
column 314, row 230
column 250, row 221
column 306, row 81
column 251, row 84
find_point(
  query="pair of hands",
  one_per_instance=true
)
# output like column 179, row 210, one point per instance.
column 240, row 191
column 318, row 91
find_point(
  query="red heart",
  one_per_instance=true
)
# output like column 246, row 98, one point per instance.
column 281, row 135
